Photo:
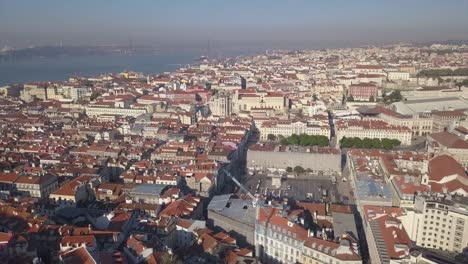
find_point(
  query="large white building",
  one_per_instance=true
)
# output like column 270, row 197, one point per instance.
column 398, row 76
column 287, row 128
column 221, row 105
column 244, row 101
column 440, row 222
column 420, row 125
column 447, row 143
column 372, row 129
column 278, row 239
column 97, row 111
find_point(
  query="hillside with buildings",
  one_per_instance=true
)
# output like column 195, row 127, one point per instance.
column 353, row 155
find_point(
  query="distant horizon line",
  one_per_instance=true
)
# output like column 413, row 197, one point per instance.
column 199, row 45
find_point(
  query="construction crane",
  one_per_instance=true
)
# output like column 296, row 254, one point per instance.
column 254, row 199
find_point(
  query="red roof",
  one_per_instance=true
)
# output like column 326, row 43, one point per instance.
column 449, row 140
column 372, row 211
column 72, row 240
column 270, row 217
column 8, row 177
column 77, row 256
column 442, row 166
column 396, row 240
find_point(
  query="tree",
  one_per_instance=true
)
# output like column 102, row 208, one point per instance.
column 299, row 169
column 371, row 99
column 94, row 96
column 396, row 96
column 344, row 142
column 387, row 144
column 304, row 140
column 271, row 137
column 312, row 141
column 367, row 143
column 350, row 99
column 396, row 142
column 322, row 141
column 357, row 142
column 465, row 82
column 459, row 85
column 289, row 169
column 293, row 140
column 376, row 143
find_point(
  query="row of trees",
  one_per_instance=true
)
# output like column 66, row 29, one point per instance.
column 461, row 83
column 444, row 72
column 305, row 140
column 369, row 143
column 394, row 96
column 297, row 169
column 351, row 99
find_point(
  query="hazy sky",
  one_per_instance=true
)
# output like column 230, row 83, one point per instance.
column 262, row 23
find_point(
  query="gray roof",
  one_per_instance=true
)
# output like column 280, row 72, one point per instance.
column 410, row 107
column 148, row 189
column 344, row 224
column 234, row 208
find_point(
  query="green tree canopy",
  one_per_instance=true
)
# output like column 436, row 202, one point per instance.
column 369, row 143
column 271, row 137
column 305, row 140
column 299, row 169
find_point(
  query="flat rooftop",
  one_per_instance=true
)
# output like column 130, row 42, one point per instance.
column 148, row 189
column 290, row 148
column 299, row 189
column 235, row 208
